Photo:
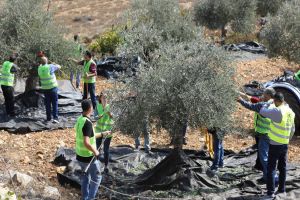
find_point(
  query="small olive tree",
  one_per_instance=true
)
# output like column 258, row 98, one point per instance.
column 216, row 14
column 26, row 27
column 282, row 33
column 265, row 7
column 182, row 79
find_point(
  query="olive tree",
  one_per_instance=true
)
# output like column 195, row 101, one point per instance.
column 216, row 14
column 282, row 33
column 181, row 79
column 26, row 27
column 265, row 7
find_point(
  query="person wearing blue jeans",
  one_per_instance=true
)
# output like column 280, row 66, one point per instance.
column 87, row 152
column 218, row 136
column 146, row 133
column 51, row 100
column 89, row 88
column 49, row 86
column 90, row 181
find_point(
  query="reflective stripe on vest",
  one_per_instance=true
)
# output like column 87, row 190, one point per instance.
column 48, row 81
column 280, row 132
column 7, row 78
column 261, row 124
column 105, row 122
column 86, row 69
column 80, row 148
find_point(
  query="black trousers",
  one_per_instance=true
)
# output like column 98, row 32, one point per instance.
column 9, row 98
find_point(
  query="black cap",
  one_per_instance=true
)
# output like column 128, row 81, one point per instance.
column 88, row 53
column 278, row 97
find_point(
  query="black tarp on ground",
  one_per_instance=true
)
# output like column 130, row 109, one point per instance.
column 129, row 175
column 31, row 113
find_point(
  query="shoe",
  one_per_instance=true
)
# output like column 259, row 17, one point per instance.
column 55, row 121
column 105, row 171
column 261, row 181
column 280, row 193
column 268, row 197
column 213, row 168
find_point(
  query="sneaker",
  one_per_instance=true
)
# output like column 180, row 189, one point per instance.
column 268, row 197
column 55, row 121
column 105, row 171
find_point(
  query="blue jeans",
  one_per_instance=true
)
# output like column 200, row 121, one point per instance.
column 90, row 181
column 106, row 146
column 263, row 149
column 146, row 132
column 51, row 99
column 78, row 77
column 218, row 152
column 90, row 88
column 277, row 153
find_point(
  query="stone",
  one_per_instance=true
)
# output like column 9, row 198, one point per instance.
column 51, row 193
column 7, row 194
column 21, row 179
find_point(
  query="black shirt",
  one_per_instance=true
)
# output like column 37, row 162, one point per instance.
column 88, row 131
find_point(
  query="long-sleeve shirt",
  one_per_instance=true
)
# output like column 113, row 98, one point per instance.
column 275, row 115
column 256, row 107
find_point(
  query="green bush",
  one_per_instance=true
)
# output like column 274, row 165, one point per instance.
column 107, row 42
column 282, row 33
column 265, row 7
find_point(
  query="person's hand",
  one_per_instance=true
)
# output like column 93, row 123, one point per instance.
column 96, row 153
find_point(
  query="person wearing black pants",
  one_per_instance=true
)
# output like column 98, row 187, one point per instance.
column 8, row 70
column 106, row 145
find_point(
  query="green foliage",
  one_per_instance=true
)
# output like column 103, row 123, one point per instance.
column 265, row 7
column 282, row 33
column 216, row 14
column 26, row 28
column 182, row 78
column 107, row 42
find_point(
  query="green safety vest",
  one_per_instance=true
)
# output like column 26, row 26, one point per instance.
column 80, row 149
column 48, row 81
column 86, row 69
column 7, row 78
column 297, row 76
column 262, row 124
column 280, row 132
column 104, row 123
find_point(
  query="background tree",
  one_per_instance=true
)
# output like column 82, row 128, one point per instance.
column 282, row 33
column 265, row 7
column 26, row 28
column 216, row 14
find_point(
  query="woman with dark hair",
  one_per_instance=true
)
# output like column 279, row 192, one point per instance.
column 104, row 123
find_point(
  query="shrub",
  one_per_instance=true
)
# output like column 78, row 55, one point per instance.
column 281, row 34
column 265, row 7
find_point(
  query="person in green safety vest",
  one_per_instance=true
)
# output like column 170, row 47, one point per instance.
column 89, row 78
column 7, row 77
column 49, row 86
column 104, row 123
column 297, row 77
column 282, row 129
column 85, row 151
column 75, row 71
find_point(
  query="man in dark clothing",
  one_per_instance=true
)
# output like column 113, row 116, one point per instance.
column 9, row 68
column 218, row 136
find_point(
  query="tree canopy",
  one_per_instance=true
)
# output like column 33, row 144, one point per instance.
column 282, row 33
column 26, row 28
column 216, row 14
column 185, row 80
column 265, row 7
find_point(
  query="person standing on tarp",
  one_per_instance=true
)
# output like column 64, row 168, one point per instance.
column 49, row 86
column 75, row 70
column 262, row 127
column 7, row 77
column 146, row 133
column 104, row 123
column 85, row 151
column 282, row 129
column 218, row 136
column 89, row 79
